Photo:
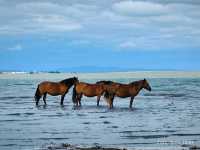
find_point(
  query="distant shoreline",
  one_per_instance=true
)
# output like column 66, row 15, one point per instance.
column 103, row 75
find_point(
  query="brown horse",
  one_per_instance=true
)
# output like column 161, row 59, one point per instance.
column 110, row 87
column 86, row 89
column 54, row 89
column 127, row 90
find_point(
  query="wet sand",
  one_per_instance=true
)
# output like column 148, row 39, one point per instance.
column 73, row 147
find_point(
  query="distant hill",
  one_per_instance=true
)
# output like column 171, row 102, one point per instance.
column 85, row 69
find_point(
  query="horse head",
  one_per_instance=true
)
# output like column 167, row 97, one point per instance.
column 146, row 85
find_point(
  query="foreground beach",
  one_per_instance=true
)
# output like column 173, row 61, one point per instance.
column 167, row 118
column 72, row 147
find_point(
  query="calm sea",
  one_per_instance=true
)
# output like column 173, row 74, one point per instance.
column 169, row 116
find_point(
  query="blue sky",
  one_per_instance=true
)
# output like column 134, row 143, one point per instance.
column 89, row 35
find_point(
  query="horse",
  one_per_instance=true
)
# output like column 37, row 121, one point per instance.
column 126, row 90
column 54, row 89
column 86, row 89
column 110, row 87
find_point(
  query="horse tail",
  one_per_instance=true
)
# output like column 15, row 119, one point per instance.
column 37, row 93
column 106, row 94
column 109, row 96
column 74, row 94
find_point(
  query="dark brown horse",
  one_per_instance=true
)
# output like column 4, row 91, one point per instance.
column 126, row 90
column 54, row 89
column 110, row 88
column 86, row 89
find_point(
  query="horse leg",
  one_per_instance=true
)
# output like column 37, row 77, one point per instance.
column 112, row 99
column 37, row 101
column 37, row 96
column 110, row 103
column 131, row 102
column 80, row 103
column 44, row 98
column 62, row 99
column 79, row 99
column 98, row 99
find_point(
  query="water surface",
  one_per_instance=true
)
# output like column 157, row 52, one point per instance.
column 169, row 116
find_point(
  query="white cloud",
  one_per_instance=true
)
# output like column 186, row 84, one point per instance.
column 140, row 8
column 36, row 17
column 17, row 47
column 133, row 25
column 54, row 23
column 138, row 44
column 128, row 44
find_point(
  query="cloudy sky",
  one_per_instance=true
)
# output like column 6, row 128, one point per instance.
column 126, row 34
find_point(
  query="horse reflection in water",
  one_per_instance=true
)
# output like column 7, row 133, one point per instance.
column 54, row 89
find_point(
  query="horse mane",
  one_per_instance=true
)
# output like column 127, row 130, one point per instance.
column 104, row 82
column 136, row 83
column 68, row 81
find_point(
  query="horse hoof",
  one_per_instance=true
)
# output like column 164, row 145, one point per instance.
column 131, row 108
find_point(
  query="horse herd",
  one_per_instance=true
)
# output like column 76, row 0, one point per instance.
column 109, row 89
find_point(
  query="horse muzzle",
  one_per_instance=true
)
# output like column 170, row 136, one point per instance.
column 149, row 89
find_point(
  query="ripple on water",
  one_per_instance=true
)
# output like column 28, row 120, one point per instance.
column 166, row 94
column 81, row 115
column 103, row 117
column 53, row 115
column 14, row 114
column 23, row 84
column 29, row 114
column 114, row 127
column 15, row 97
column 106, row 122
column 145, row 136
column 86, row 122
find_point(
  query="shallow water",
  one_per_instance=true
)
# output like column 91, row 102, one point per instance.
column 169, row 116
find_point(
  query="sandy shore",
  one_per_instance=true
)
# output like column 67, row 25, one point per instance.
column 107, row 75
column 73, row 147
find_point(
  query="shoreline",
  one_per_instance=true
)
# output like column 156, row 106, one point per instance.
column 66, row 146
column 103, row 75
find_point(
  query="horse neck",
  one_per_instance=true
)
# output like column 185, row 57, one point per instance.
column 69, row 83
column 139, row 86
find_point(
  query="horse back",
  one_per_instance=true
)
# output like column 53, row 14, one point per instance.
column 52, row 88
column 89, row 89
column 111, row 88
column 124, row 90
